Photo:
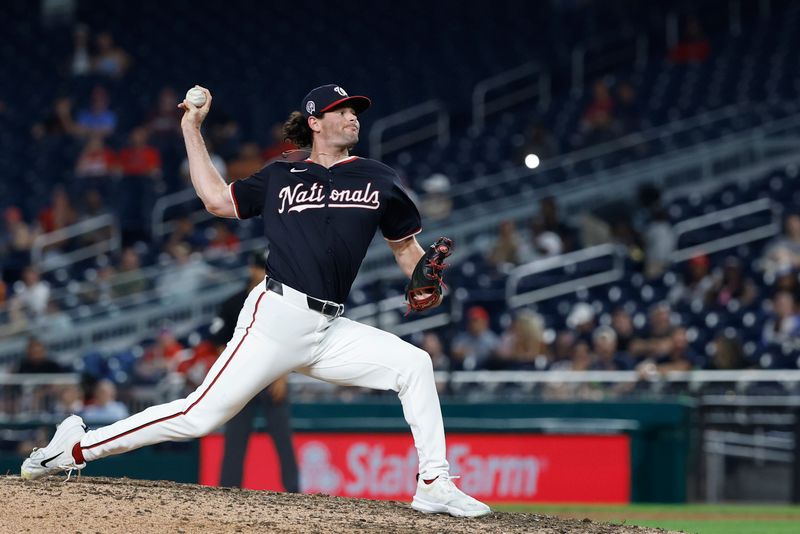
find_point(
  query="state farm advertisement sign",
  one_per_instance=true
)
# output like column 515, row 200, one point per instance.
column 492, row 467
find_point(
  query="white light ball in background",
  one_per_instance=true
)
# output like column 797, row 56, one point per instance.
column 532, row 161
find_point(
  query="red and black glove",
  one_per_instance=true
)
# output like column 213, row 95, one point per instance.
column 424, row 290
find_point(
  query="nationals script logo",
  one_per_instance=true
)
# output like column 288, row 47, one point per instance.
column 299, row 197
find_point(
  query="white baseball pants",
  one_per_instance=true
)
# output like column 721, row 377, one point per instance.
column 276, row 334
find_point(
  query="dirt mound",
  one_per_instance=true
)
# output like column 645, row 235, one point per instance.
column 89, row 505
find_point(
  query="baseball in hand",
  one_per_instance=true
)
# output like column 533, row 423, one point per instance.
column 196, row 96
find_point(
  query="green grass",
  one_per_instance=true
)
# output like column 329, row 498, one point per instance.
column 694, row 518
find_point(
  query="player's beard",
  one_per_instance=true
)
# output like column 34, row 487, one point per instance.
column 350, row 140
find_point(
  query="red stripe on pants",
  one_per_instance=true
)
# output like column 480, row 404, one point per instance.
column 187, row 410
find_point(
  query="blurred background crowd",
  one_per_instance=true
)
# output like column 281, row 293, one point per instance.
column 100, row 224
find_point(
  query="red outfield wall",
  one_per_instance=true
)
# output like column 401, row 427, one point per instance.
column 492, row 467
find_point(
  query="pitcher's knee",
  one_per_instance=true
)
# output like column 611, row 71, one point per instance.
column 419, row 362
column 201, row 425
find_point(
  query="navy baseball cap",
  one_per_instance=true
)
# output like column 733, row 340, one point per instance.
column 327, row 97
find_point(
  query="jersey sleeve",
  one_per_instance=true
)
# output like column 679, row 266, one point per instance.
column 400, row 219
column 248, row 195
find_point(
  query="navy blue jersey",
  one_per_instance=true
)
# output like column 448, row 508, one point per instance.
column 320, row 222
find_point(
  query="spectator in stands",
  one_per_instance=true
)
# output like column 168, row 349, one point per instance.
column 129, row 280
column 436, row 203
column 159, row 359
column 597, row 122
column 104, row 407
column 623, row 233
column 70, row 401
column 784, row 322
column 32, row 293
column 607, row 356
column 659, row 244
column 140, row 158
column 54, row 321
column 538, row 141
column 92, row 206
column 581, row 321
column 783, row 254
column 247, row 162
column 561, row 350
column 12, row 319
column 185, row 276
column 96, row 160
column 581, row 359
column 36, row 360
column 679, row 357
column 216, row 161
column 696, row 284
column 732, row 285
column 97, row 119
column 657, row 341
column 726, row 353
column 694, row 47
column 622, row 323
column 164, row 121
column 98, row 285
column 522, row 344
column 473, row 348
column 547, row 235
column 15, row 242
column 626, row 109
column 81, row 62
column 787, row 280
column 185, row 232
column 59, row 214
column 110, row 60
column 279, row 145
column 432, row 344
column 58, row 122
column 225, row 134
column 222, row 239
column 505, row 252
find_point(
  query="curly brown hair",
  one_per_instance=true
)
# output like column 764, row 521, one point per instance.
column 297, row 131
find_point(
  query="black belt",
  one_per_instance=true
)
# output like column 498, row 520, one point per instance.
column 325, row 307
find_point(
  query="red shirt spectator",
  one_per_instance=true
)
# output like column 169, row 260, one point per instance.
column 164, row 122
column 59, row 214
column 223, row 239
column 96, row 159
column 694, row 48
column 600, row 111
column 139, row 158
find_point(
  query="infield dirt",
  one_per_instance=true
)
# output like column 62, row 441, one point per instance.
column 89, row 505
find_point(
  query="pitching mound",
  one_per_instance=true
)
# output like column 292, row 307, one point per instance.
column 89, row 505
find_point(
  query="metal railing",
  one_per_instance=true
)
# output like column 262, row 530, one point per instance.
column 387, row 314
column 570, row 260
column 438, row 127
column 764, row 231
column 738, row 157
column 509, row 91
column 122, row 323
column 33, row 396
column 160, row 226
column 108, row 244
